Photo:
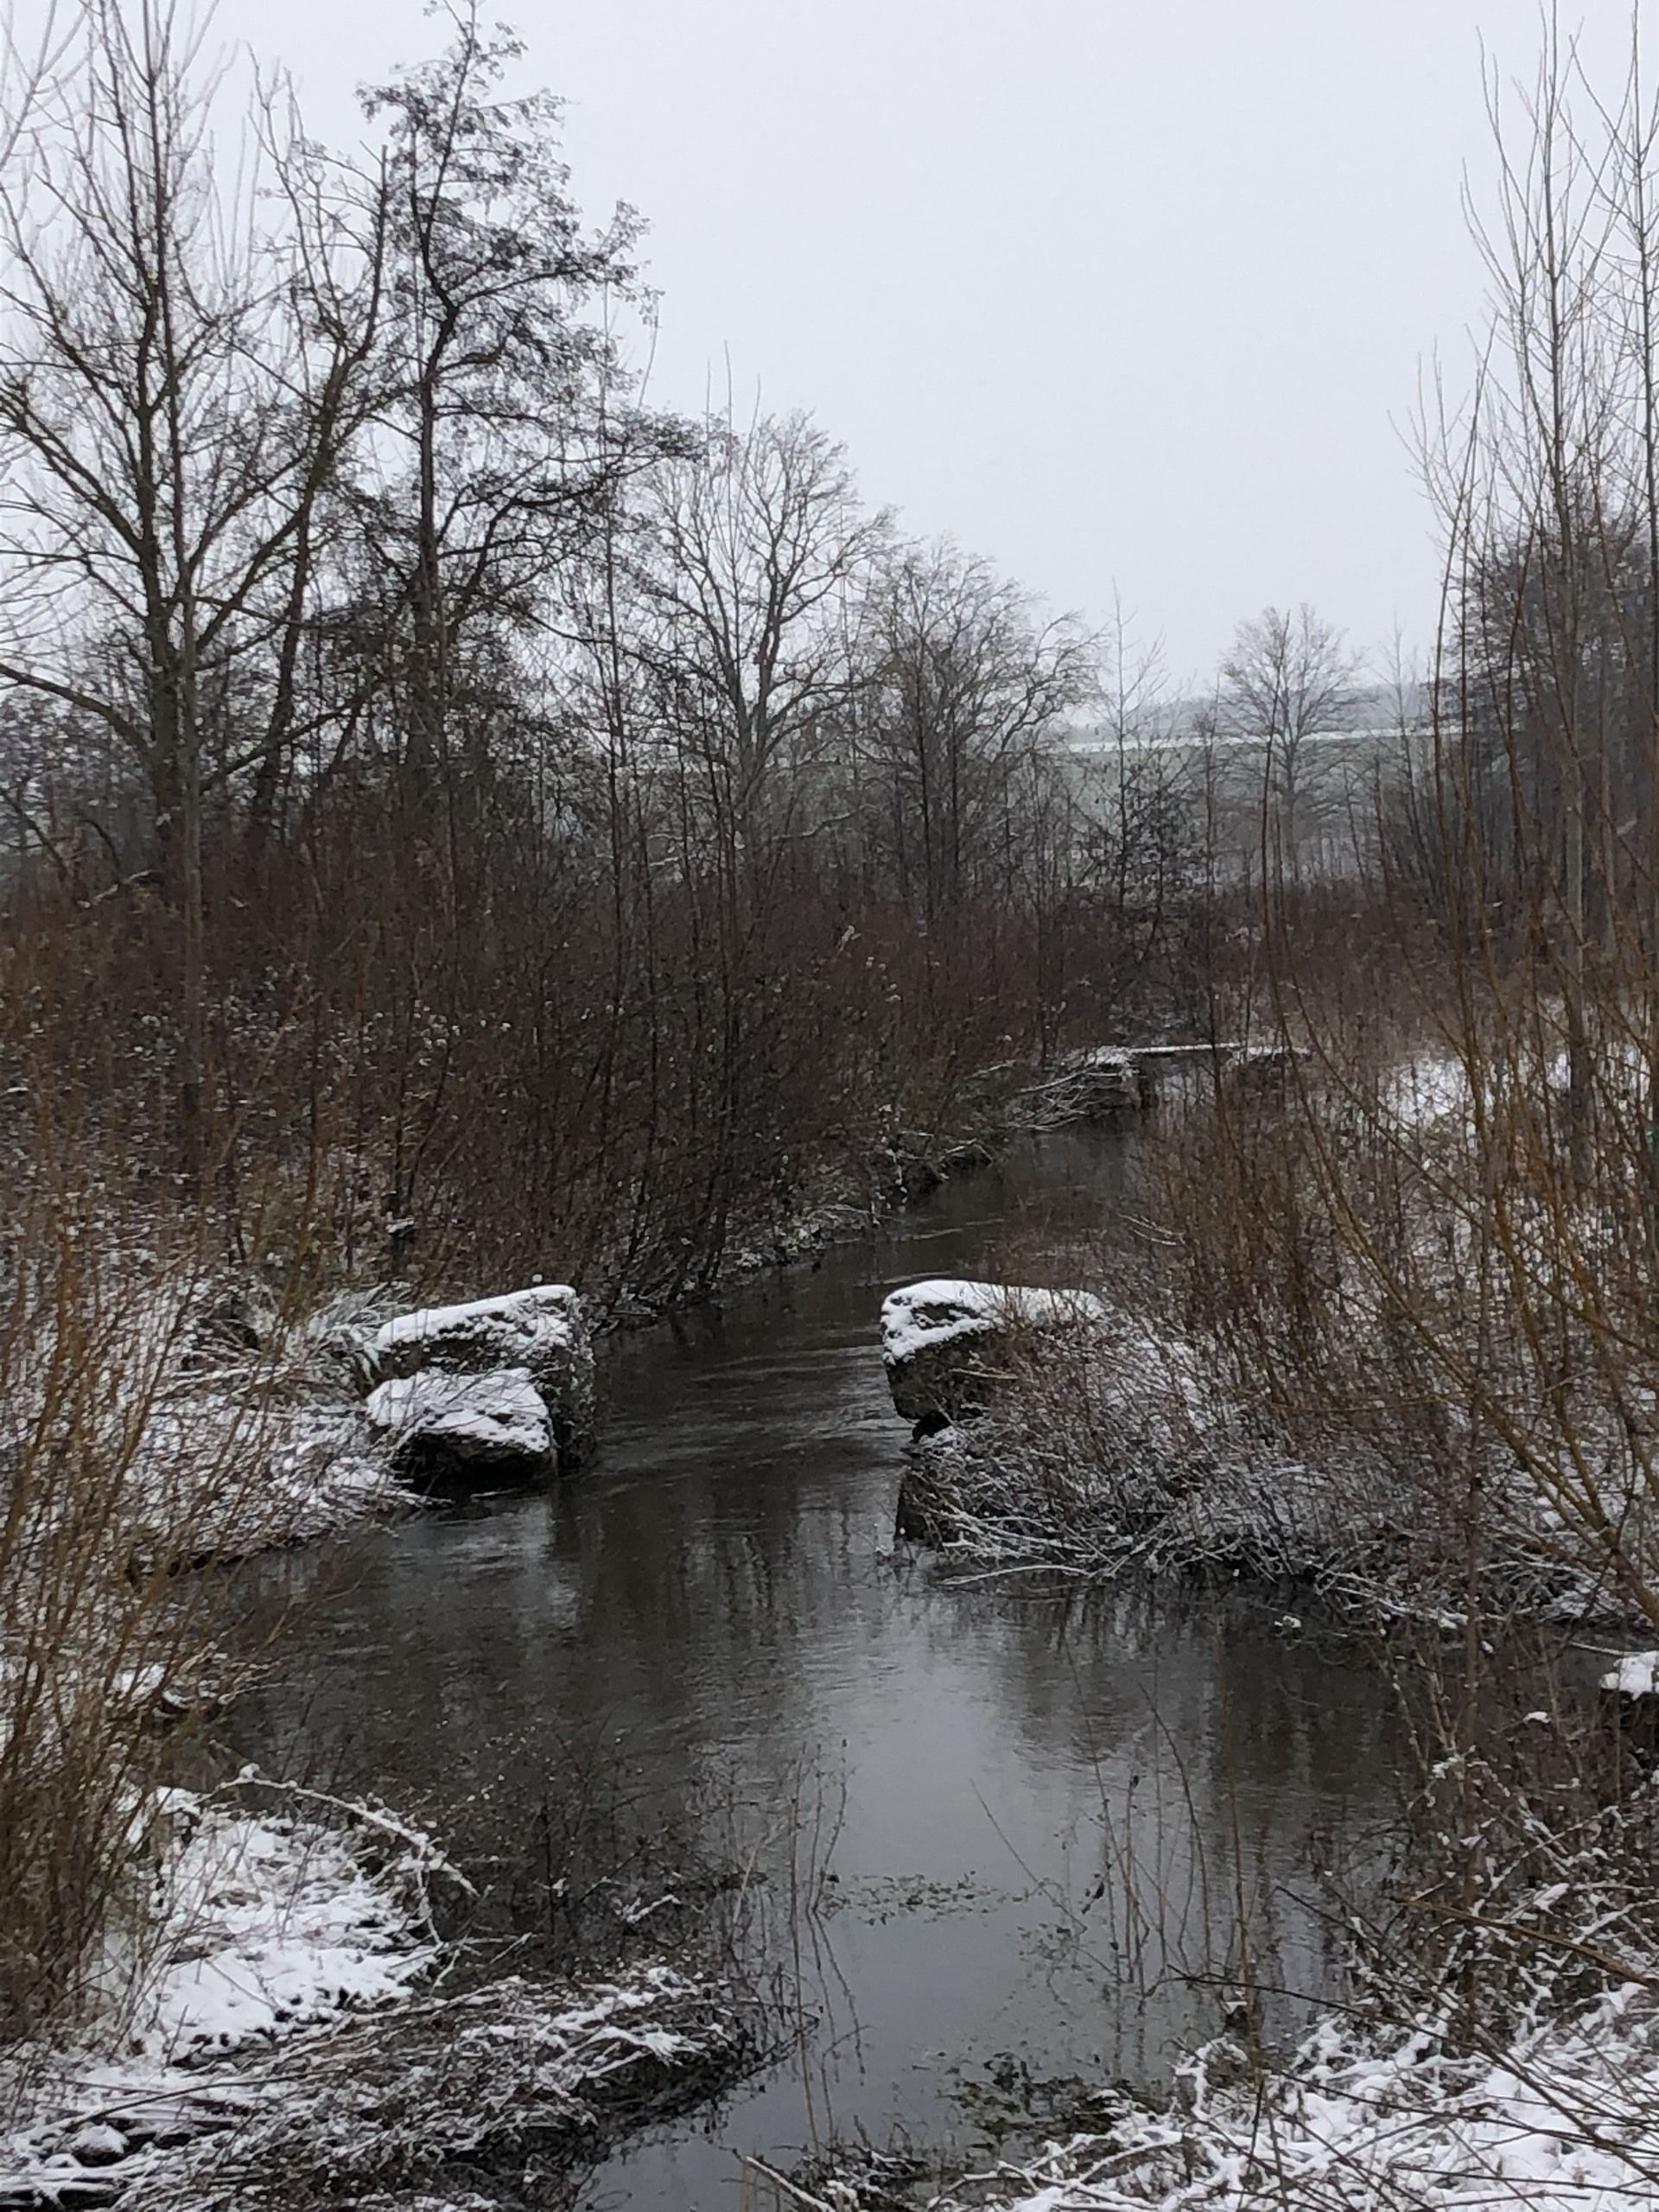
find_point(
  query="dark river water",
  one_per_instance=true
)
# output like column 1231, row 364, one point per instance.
column 1044, row 1818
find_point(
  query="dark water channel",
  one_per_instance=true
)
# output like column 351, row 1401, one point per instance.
column 1045, row 1813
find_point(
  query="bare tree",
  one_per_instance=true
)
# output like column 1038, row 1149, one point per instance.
column 758, row 545
column 506, row 422
column 1287, row 681
column 967, row 681
column 178, row 383
column 1143, row 833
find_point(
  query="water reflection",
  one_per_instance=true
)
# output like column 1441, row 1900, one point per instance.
column 1046, row 1809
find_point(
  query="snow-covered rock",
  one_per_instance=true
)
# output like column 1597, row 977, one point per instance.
column 945, row 1344
column 443, row 1426
column 541, row 1333
column 524, row 1328
column 1107, row 1081
column 1636, row 1675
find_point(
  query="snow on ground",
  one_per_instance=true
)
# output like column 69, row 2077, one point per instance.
column 234, row 1472
column 1430, row 1088
column 267, row 1923
column 278, row 2005
column 250, row 1927
column 1567, row 2116
column 397, row 2109
column 201, row 1422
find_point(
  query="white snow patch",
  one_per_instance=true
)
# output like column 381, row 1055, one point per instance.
column 281, row 1998
column 1636, row 1675
column 1433, row 1088
column 545, row 1315
column 234, row 1472
column 260, row 1925
column 266, row 1923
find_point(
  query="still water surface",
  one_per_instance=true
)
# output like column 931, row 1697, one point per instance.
column 1045, row 1813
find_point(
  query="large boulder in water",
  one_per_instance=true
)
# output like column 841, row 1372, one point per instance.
column 541, row 1333
column 951, row 1347
column 458, row 1427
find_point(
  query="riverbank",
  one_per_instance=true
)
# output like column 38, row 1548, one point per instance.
column 224, row 1995
column 719, row 1597
column 1371, row 1342
column 1362, row 2121
column 1084, row 1441
column 1454, row 1475
column 1497, row 2042
column 246, row 1415
column 279, row 2020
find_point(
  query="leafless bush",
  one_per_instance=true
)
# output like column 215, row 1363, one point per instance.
column 157, row 1418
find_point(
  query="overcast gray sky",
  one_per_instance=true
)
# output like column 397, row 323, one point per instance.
column 1131, row 291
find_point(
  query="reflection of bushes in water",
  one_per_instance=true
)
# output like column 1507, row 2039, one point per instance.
column 1009, row 2103
column 1519, row 1895
column 1236, row 1750
column 582, row 1869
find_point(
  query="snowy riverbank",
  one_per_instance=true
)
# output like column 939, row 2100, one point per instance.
column 1070, row 1433
column 1563, row 2115
column 275, row 2003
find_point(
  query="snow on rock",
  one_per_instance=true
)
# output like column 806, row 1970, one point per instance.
column 1089, row 1085
column 1636, row 1675
column 524, row 1328
column 541, row 1332
column 452, row 1424
column 924, row 1314
column 942, row 1339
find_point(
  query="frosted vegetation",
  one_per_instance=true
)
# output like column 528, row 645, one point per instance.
column 484, row 859
column 271, row 2018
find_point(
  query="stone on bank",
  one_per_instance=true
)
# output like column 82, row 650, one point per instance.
column 496, row 1386
column 953, row 1350
column 949, row 1346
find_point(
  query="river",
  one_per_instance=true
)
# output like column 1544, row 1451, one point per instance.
column 1043, row 1816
